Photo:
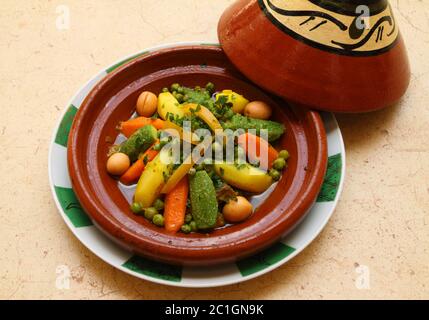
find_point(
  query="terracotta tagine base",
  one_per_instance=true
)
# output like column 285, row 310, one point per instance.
column 113, row 99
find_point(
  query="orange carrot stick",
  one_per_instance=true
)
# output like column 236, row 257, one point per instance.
column 136, row 170
column 254, row 145
column 158, row 123
column 129, row 127
column 175, row 206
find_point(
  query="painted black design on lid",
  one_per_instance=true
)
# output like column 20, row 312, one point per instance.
column 347, row 27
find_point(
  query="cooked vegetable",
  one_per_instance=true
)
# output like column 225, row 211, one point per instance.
column 193, row 226
column 135, row 171
column 210, row 87
column 279, row 164
column 149, row 213
column 129, row 127
column 178, row 175
column 153, row 179
column 243, row 176
column 203, row 200
column 220, row 109
column 158, row 220
column 237, row 210
column 275, row 174
column 204, row 114
column 190, row 196
column 275, row 129
column 202, row 97
column 118, row 163
column 238, row 101
column 254, row 145
column 139, row 142
column 179, row 97
column 175, row 87
column 147, row 104
column 186, row 228
column 168, row 104
column 158, row 204
column 284, row 154
column 181, row 172
column 175, row 206
column 258, row 110
column 136, row 208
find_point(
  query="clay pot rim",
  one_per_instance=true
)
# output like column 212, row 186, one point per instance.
column 108, row 222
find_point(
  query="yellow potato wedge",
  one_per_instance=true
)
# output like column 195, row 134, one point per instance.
column 244, row 177
column 238, row 101
column 167, row 103
column 153, row 179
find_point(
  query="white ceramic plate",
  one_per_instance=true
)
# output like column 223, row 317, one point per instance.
column 82, row 227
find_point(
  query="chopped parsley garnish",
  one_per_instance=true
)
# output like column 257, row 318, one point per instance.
column 145, row 160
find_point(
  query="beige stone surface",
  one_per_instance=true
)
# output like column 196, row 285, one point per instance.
column 381, row 221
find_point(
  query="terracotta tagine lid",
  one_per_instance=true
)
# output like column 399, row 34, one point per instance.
column 333, row 55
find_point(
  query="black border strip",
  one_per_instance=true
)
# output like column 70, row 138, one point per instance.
column 215, row 309
column 348, row 8
column 323, row 47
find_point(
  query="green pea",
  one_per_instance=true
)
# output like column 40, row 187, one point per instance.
column 185, row 98
column 175, row 87
column 150, row 213
column 181, row 90
column 275, row 174
column 193, row 226
column 192, row 172
column 165, row 90
column 157, row 147
column 179, row 97
column 284, row 154
column 158, row 204
column 279, row 164
column 210, row 87
column 158, row 220
column 188, row 218
column 186, row 228
column 136, row 208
